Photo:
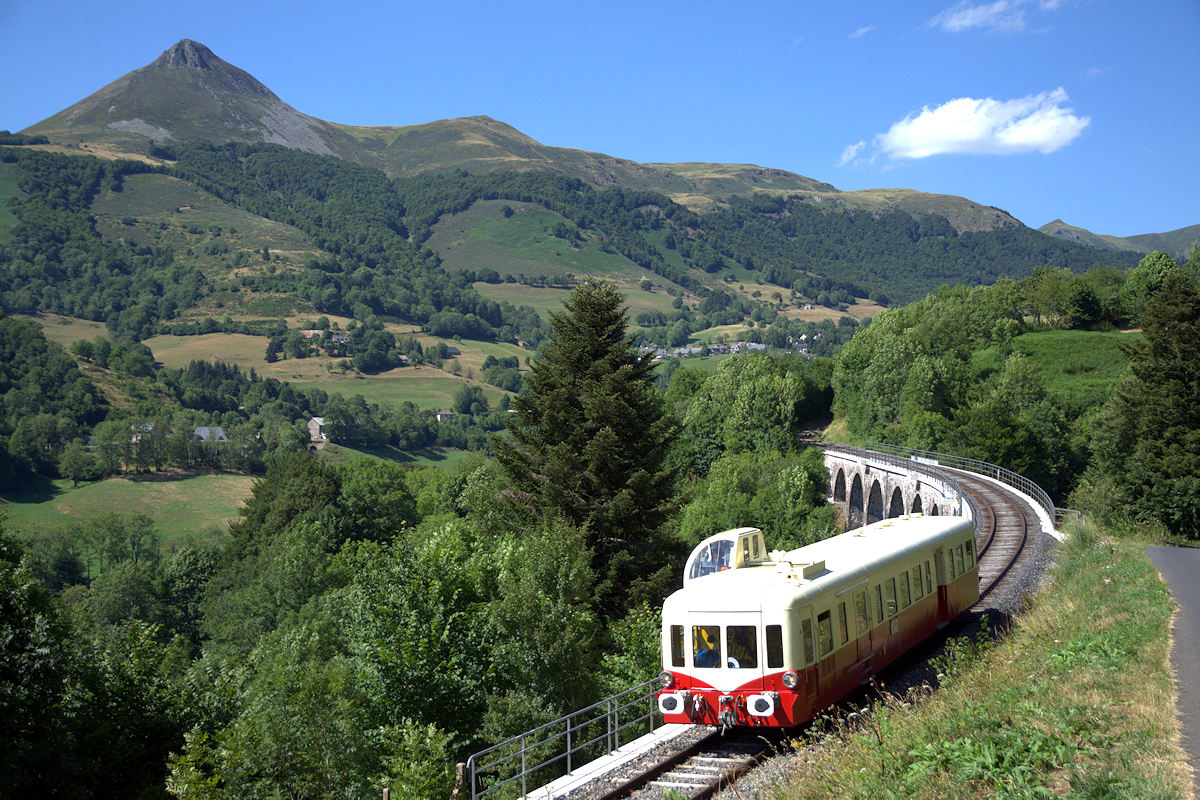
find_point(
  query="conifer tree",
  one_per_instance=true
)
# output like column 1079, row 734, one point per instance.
column 1161, row 400
column 590, row 437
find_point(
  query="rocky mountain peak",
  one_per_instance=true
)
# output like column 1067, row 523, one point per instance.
column 186, row 54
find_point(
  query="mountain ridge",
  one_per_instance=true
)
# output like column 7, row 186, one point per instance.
column 189, row 92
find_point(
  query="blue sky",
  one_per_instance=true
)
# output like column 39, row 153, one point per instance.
column 1088, row 110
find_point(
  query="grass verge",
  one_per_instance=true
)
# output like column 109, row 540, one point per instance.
column 1077, row 701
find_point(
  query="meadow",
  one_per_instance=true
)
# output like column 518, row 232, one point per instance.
column 1080, row 368
column 181, row 504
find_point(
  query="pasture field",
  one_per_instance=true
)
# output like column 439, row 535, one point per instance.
column 521, row 244
column 1081, row 368
column 430, row 456
column 548, row 300
column 424, row 387
column 65, row 330
column 1076, row 700
column 181, row 504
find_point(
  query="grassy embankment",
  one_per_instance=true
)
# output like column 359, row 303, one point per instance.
column 1076, row 701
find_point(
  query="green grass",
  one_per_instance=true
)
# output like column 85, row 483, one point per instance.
column 430, row 456
column 547, row 301
column 521, row 244
column 427, row 390
column 181, row 505
column 1081, row 368
column 9, row 174
column 1078, row 700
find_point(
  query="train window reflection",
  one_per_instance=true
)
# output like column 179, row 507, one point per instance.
column 774, row 646
column 743, row 646
column 677, row 646
column 843, row 633
column 917, row 585
column 878, row 604
column 889, row 594
column 905, row 599
column 958, row 559
column 860, row 613
column 824, row 632
column 928, row 580
column 806, row 635
column 717, row 557
column 706, row 646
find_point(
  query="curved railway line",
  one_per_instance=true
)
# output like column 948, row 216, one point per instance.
column 1005, row 528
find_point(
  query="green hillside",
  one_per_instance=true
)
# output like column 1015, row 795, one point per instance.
column 1178, row 243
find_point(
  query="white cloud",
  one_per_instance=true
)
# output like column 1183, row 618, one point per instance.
column 851, row 153
column 1000, row 16
column 1037, row 123
column 861, row 32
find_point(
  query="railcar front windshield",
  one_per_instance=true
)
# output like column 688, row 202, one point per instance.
column 716, row 557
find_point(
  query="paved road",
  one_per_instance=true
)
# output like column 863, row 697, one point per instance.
column 1181, row 568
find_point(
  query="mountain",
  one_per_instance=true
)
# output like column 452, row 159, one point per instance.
column 1178, row 243
column 190, row 93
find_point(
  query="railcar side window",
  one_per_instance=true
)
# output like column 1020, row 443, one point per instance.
column 958, row 559
column 860, row 613
column 950, row 563
column 905, row 599
column 918, row 586
column 774, row 646
column 928, row 579
column 677, row 646
column 970, row 553
column 889, row 594
column 843, row 634
column 706, row 646
column 824, row 632
column 806, row 635
column 878, row 604
column 743, row 646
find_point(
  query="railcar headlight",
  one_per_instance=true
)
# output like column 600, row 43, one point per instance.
column 791, row 680
column 668, row 680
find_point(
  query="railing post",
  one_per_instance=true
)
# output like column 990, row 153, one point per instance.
column 524, row 768
column 568, row 744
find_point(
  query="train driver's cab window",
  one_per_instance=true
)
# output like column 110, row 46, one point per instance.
column 950, row 562
column 970, row 545
column 677, row 646
column 824, row 633
column 958, row 559
column 878, row 604
column 807, row 637
column 860, row 613
column 706, row 646
column 843, row 631
column 743, row 646
column 928, row 579
column 715, row 557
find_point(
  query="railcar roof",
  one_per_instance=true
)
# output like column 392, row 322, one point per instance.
column 849, row 558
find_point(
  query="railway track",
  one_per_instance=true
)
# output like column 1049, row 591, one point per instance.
column 1005, row 526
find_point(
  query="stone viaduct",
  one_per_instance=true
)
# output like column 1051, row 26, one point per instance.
column 867, row 487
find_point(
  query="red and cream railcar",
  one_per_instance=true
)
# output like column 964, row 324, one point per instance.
column 771, row 639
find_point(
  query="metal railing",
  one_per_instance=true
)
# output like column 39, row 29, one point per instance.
column 547, row 752
column 1002, row 474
